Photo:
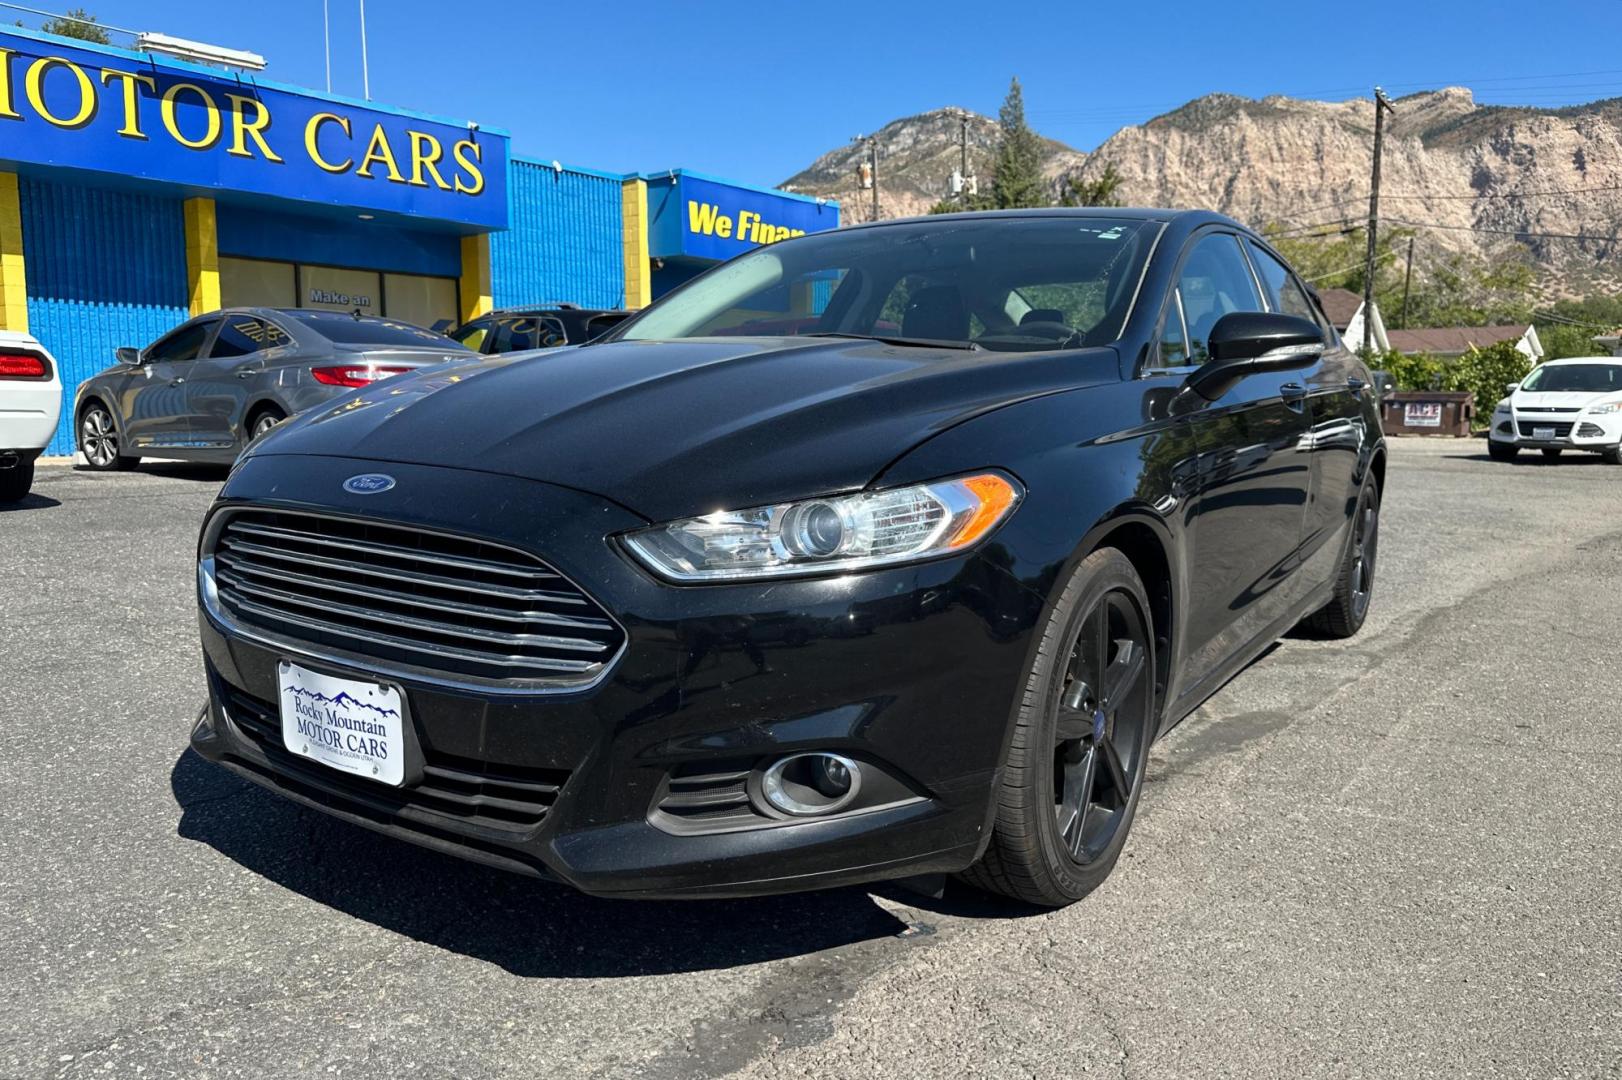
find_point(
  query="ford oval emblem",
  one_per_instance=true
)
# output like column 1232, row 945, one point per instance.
column 371, row 483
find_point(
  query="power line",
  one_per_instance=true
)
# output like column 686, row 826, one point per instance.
column 1505, row 232
column 1349, row 267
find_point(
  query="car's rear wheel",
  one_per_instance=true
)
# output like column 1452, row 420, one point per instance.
column 1502, row 451
column 98, row 440
column 263, row 422
column 1354, row 585
column 16, row 481
column 1551, row 452
column 1075, row 767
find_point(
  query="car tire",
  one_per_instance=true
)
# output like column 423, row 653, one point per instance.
column 98, row 440
column 1343, row 616
column 1502, row 451
column 1550, row 452
column 1612, row 454
column 16, row 482
column 1082, row 731
column 263, row 421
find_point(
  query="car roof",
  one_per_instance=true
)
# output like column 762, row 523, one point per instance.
column 1129, row 213
column 1582, row 360
column 555, row 309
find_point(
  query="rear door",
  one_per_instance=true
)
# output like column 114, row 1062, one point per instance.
column 153, row 405
column 224, row 382
column 1337, row 422
column 1250, row 487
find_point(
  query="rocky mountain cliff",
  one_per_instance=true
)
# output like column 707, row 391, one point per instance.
column 916, row 157
column 1479, row 177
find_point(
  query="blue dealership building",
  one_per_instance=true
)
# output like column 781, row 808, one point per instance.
column 138, row 190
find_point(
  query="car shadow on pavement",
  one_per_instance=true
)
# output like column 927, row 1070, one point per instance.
column 528, row 927
column 177, row 470
column 31, row 501
column 1535, row 460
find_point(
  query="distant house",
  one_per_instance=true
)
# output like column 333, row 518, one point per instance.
column 1458, row 340
column 1345, row 310
column 1611, row 341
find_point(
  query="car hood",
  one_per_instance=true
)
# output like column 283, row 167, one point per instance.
column 671, row 429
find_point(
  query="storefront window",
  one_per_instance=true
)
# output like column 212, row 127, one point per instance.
column 334, row 288
column 257, row 283
column 419, row 299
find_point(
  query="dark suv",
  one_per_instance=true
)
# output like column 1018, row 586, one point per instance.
column 540, row 327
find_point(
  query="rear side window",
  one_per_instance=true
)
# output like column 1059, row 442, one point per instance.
column 242, row 334
column 183, row 344
column 1215, row 281
column 1284, row 292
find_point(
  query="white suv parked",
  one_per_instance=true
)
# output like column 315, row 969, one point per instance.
column 30, row 403
column 1573, row 404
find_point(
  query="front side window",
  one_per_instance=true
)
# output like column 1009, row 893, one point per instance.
column 473, row 335
column 1173, row 341
column 1284, row 292
column 183, row 344
column 1009, row 284
column 1214, row 282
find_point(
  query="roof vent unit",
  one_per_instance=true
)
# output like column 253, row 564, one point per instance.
column 198, row 52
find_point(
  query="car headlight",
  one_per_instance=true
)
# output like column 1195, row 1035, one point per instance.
column 1503, row 407
column 817, row 536
column 1604, row 407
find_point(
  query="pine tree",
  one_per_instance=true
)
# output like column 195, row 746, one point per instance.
column 80, row 24
column 1017, row 173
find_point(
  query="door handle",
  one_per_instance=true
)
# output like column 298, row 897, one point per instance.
column 246, row 374
column 1356, row 386
column 176, row 382
column 1294, row 394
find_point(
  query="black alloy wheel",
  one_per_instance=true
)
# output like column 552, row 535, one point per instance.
column 1075, row 767
column 1354, row 584
column 98, row 440
column 1101, row 727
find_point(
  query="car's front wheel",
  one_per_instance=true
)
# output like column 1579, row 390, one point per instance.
column 98, row 440
column 1075, row 767
column 1502, row 451
column 1354, row 583
column 1612, row 454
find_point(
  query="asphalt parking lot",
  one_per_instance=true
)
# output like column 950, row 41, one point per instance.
column 1394, row 857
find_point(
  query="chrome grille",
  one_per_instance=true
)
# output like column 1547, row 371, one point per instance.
column 412, row 597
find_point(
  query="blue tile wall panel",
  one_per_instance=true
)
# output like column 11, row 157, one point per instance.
column 563, row 242
column 105, row 268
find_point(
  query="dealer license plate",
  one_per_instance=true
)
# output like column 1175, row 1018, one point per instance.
column 1543, row 433
column 352, row 726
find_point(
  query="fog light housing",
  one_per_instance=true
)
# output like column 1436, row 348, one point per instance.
column 811, row 784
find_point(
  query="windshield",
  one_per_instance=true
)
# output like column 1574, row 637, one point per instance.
column 1005, row 283
column 365, row 330
column 1587, row 378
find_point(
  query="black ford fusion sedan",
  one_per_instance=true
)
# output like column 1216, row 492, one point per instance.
column 699, row 612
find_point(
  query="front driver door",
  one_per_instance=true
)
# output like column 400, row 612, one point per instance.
column 153, row 404
column 1253, row 474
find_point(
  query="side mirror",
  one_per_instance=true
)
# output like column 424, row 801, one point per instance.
column 443, row 326
column 128, row 356
column 1510, row 388
column 1249, row 342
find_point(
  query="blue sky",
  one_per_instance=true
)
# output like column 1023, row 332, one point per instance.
column 754, row 91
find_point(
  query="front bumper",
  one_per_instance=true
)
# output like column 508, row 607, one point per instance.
column 912, row 671
column 1568, row 431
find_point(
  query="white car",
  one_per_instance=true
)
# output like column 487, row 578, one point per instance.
column 30, row 403
column 1573, row 404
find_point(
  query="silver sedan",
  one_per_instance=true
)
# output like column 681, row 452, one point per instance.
column 206, row 389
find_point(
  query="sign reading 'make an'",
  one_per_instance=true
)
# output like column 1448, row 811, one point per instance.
column 127, row 113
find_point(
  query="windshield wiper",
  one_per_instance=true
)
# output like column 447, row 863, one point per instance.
column 917, row 343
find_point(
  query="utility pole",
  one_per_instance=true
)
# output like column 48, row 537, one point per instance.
column 1407, row 280
column 868, row 171
column 365, row 67
column 326, row 39
column 963, row 146
column 1382, row 105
